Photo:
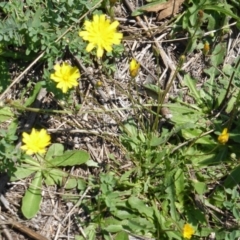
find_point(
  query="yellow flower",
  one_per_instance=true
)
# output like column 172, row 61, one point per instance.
column 66, row 76
column 36, row 141
column 224, row 136
column 101, row 34
column 188, row 231
column 133, row 68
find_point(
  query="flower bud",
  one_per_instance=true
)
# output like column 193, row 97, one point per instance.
column 134, row 68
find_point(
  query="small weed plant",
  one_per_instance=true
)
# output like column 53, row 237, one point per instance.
column 182, row 176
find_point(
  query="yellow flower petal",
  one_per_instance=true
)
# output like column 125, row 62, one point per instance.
column 188, row 231
column 134, row 68
column 224, row 136
column 36, row 141
column 101, row 34
column 66, row 76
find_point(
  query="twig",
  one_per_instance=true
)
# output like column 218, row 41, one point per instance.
column 24, row 229
column 77, row 204
column 90, row 78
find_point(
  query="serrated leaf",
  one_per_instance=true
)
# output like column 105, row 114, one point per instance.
column 70, row 158
column 32, row 198
column 220, row 9
column 5, row 114
column 139, row 206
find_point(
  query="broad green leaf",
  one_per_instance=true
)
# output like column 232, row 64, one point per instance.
column 81, row 184
column 138, row 225
column 31, row 161
column 113, row 228
column 70, row 158
column 200, row 187
column 56, row 175
column 185, row 115
column 121, row 236
column 139, row 206
column 130, row 128
column 55, row 149
column 32, row 198
column 196, row 134
column 22, row 172
column 217, row 8
column 71, row 183
column 91, row 163
column 5, row 114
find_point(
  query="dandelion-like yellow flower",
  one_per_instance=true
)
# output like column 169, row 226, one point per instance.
column 36, row 141
column 224, row 136
column 66, row 76
column 101, row 34
column 134, row 68
column 188, row 231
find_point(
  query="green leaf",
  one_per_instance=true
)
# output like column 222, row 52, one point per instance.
column 121, row 236
column 70, row 158
column 22, row 172
column 139, row 206
column 200, row 187
column 4, row 73
column 194, row 92
column 32, row 198
column 55, row 149
column 179, row 181
column 31, row 161
column 233, row 179
column 220, row 9
column 56, row 175
column 153, row 91
column 71, row 183
column 5, row 114
column 113, row 228
column 34, row 94
column 81, row 184
column 196, row 133
column 217, row 56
